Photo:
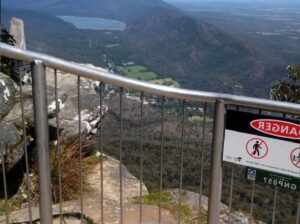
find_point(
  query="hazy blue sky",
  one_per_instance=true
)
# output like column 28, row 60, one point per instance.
column 248, row 1
column 253, row 2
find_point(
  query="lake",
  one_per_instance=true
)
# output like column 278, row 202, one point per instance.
column 94, row 23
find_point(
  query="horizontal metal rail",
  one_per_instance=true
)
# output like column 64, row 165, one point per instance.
column 120, row 81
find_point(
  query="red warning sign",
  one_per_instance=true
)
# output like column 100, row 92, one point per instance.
column 279, row 128
column 257, row 148
column 295, row 157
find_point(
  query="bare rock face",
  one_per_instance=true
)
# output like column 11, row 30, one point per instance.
column 191, row 199
column 12, row 139
column 7, row 94
column 92, row 198
column 20, row 70
column 9, row 135
column 68, row 104
column 17, row 31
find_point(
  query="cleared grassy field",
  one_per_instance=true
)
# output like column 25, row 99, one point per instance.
column 142, row 73
column 166, row 82
column 137, row 72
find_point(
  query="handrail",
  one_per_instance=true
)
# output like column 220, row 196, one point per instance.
column 117, row 80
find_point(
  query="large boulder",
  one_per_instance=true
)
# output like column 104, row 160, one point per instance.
column 11, row 131
column 7, row 94
column 68, row 104
column 11, row 144
column 11, row 124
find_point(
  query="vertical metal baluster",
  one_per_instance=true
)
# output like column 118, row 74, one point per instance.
column 275, row 198
column 298, row 212
column 231, row 193
column 231, row 187
column 39, row 91
column 274, row 205
column 216, row 168
column 25, row 146
column 181, row 161
column 252, row 199
column 161, row 155
column 121, row 156
column 101, row 156
column 202, row 161
column 253, row 189
column 4, row 178
column 141, row 159
column 58, row 150
column 80, row 149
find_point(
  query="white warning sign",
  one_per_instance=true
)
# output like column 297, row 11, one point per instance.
column 263, row 142
column 257, row 148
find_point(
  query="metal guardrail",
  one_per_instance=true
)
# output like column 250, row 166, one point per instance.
column 120, row 81
column 40, row 61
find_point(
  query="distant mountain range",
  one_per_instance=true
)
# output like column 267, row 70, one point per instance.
column 117, row 9
column 158, row 36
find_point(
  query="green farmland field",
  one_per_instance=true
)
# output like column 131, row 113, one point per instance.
column 166, row 82
column 137, row 72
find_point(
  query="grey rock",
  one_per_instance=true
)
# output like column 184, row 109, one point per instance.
column 17, row 31
column 11, row 145
column 192, row 200
column 7, row 94
column 11, row 130
column 68, row 104
column 13, row 138
column 20, row 69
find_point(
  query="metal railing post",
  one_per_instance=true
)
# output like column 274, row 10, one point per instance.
column 216, row 168
column 42, row 139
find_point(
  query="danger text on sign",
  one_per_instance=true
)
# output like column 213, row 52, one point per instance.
column 277, row 128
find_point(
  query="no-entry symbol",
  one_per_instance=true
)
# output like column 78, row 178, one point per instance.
column 295, row 157
column 257, row 148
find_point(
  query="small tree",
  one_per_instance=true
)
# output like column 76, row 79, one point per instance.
column 288, row 89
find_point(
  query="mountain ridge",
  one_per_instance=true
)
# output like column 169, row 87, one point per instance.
column 117, row 9
column 164, row 39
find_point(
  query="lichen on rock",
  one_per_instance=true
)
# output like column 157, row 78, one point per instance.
column 7, row 94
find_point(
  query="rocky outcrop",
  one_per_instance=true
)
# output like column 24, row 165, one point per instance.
column 12, row 136
column 68, row 112
column 17, row 31
column 68, row 104
column 12, row 139
column 191, row 199
column 7, row 94
column 19, row 69
column 92, row 198
column 11, row 145
column 9, row 135
column 111, row 181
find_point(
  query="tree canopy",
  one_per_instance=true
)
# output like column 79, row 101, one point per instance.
column 288, row 89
